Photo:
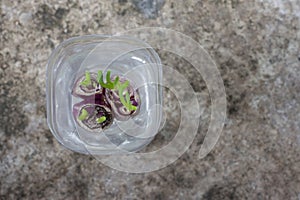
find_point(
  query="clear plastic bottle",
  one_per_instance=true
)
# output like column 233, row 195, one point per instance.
column 125, row 56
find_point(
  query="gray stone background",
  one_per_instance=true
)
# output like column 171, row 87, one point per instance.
column 256, row 46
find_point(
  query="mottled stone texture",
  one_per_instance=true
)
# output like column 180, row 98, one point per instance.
column 256, row 47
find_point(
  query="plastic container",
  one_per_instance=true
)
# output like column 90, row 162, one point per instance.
column 124, row 56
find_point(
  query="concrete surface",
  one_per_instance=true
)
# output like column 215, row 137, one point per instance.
column 256, row 46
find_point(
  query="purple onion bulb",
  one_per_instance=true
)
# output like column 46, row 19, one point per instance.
column 83, row 91
column 88, row 112
column 119, row 110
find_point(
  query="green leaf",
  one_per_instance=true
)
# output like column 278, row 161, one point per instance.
column 116, row 81
column 122, row 99
column 118, row 86
column 83, row 115
column 109, row 84
column 101, row 119
column 131, row 107
column 87, row 81
column 126, row 102
column 108, row 77
column 127, row 97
